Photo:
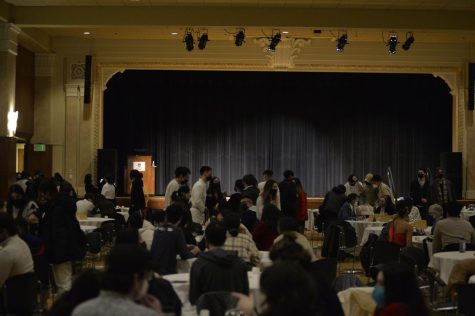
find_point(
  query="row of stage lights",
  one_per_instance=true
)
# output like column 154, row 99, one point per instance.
column 274, row 40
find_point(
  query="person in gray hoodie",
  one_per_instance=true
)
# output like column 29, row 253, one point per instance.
column 217, row 269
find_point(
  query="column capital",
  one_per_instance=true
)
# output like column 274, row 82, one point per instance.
column 9, row 38
column 44, row 64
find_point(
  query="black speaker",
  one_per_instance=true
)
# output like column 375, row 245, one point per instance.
column 471, row 86
column 106, row 163
column 452, row 164
column 87, row 80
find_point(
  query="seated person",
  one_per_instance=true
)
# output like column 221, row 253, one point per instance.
column 436, row 213
column 125, row 280
column 386, row 206
column 15, row 256
column 242, row 243
column 217, row 269
column 85, row 206
column 156, row 218
column 348, row 210
column 169, row 241
column 414, row 214
column 400, row 231
column 453, row 229
column 364, row 208
column 248, row 211
column 288, row 226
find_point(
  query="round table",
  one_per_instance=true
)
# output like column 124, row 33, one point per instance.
column 360, row 227
column 94, row 221
column 88, row 228
column 445, row 261
column 417, row 240
column 125, row 214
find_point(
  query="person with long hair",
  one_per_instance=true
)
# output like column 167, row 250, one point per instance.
column 237, row 241
column 397, row 292
column 88, row 186
column 302, row 208
column 18, row 204
column 137, row 197
column 266, row 230
column 268, row 196
column 400, row 231
column 214, row 196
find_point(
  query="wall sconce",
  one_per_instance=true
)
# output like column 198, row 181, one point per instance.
column 12, row 123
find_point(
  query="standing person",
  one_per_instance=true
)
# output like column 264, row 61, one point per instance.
column 397, row 292
column 214, row 196
column 250, row 186
column 23, row 180
column 302, row 208
column 182, row 176
column 108, row 189
column 266, row 230
column 420, row 189
column 59, row 229
column 383, row 189
column 18, row 205
column 137, row 197
column 353, row 186
column 266, row 176
column 64, row 186
column 269, row 195
column 288, row 194
column 370, row 192
column 198, row 195
column 332, row 204
column 88, row 186
column 441, row 190
column 248, row 211
column 235, row 198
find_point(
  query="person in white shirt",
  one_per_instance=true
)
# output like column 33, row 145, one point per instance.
column 268, row 196
column 108, row 190
column 85, row 206
column 148, row 227
column 353, row 186
column 182, row 176
column 198, row 195
column 18, row 205
column 15, row 255
column 267, row 175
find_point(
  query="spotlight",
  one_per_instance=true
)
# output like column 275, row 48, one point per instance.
column 189, row 41
column 239, row 38
column 392, row 43
column 409, row 41
column 202, row 41
column 274, row 42
column 342, row 41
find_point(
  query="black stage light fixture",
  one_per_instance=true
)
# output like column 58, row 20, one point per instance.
column 202, row 41
column 189, row 41
column 342, row 41
column 239, row 38
column 274, row 42
column 392, row 44
column 409, row 41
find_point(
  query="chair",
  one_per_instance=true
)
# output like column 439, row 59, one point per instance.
column 108, row 234
column 217, row 303
column 381, row 253
column 20, row 294
column 427, row 246
column 418, row 256
column 93, row 247
column 326, row 268
column 455, row 247
column 119, row 223
column 435, row 282
column 465, row 299
column 343, row 247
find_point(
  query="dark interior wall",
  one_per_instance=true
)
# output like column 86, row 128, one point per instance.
column 324, row 126
column 25, row 92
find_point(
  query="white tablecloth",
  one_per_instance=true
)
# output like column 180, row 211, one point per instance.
column 466, row 214
column 88, row 228
column 94, row 221
column 417, row 240
column 445, row 261
column 360, row 227
column 125, row 214
column 310, row 223
column 357, row 301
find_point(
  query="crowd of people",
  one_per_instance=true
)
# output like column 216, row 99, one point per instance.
column 39, row 226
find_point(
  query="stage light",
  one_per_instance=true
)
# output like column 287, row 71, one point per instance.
column 86, row 33
column 409, row 41
column 392, row 44
column 342, row 41
column 274, row 42
column 202, row 41
column 239, row 38
column 189, row 41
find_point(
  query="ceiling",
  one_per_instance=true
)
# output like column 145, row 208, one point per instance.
column 371, row 4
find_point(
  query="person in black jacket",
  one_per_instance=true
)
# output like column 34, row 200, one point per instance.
column 331, row 205
column 137, row 197
column 420, row 188
column 288, row 194
column 217, row 269
column 60, row 231
column 250, row 187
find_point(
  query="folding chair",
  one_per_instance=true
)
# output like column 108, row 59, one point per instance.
column 381, row 253
column 465, row 299
column 21, row 294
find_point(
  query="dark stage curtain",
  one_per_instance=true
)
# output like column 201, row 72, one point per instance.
column 323, row 126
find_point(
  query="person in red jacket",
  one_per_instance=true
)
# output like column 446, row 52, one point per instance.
column 266, row 230
column 302, row 211
column 397, row 293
